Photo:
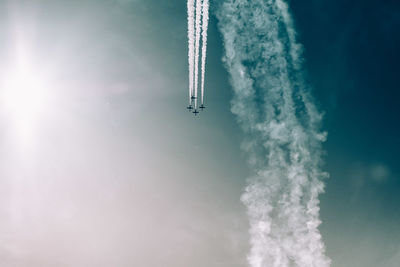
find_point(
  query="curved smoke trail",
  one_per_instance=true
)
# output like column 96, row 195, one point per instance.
column 191, row 37
column 282, row 125
column 197, row 49
column 204, row 47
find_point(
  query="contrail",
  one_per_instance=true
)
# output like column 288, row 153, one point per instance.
column 204, row 46
column 191, row 37
column 283, row 140
column 197, row 49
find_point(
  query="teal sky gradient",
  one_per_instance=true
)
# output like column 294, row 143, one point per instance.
column 117, row 173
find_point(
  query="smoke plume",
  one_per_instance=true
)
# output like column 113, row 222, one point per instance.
column 204, row 46
column 191, row 40
column 197, row 49
column 282, row 128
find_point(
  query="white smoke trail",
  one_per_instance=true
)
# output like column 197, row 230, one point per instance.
column 197, row 48
column 191, row 38
column 283, row 143
column 204, row 47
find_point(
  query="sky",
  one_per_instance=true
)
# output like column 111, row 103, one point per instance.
column 103, row 165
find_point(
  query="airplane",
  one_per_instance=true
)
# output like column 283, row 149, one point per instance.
column 193, row 97
column 202, row 107
column 195, row 112
column 189, row 108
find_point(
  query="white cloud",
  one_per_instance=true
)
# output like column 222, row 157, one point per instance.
column 361, row 174
column 379, row 173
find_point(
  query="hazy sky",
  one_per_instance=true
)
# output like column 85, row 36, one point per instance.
column 109, row 169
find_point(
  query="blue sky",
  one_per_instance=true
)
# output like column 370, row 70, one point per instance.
column 351, row 59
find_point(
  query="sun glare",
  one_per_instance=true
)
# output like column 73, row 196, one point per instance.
column 23, row 98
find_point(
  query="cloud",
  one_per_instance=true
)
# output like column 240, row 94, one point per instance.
column 380, row 173
column 362, row 174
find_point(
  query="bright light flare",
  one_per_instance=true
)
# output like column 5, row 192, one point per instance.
column 23, row 98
